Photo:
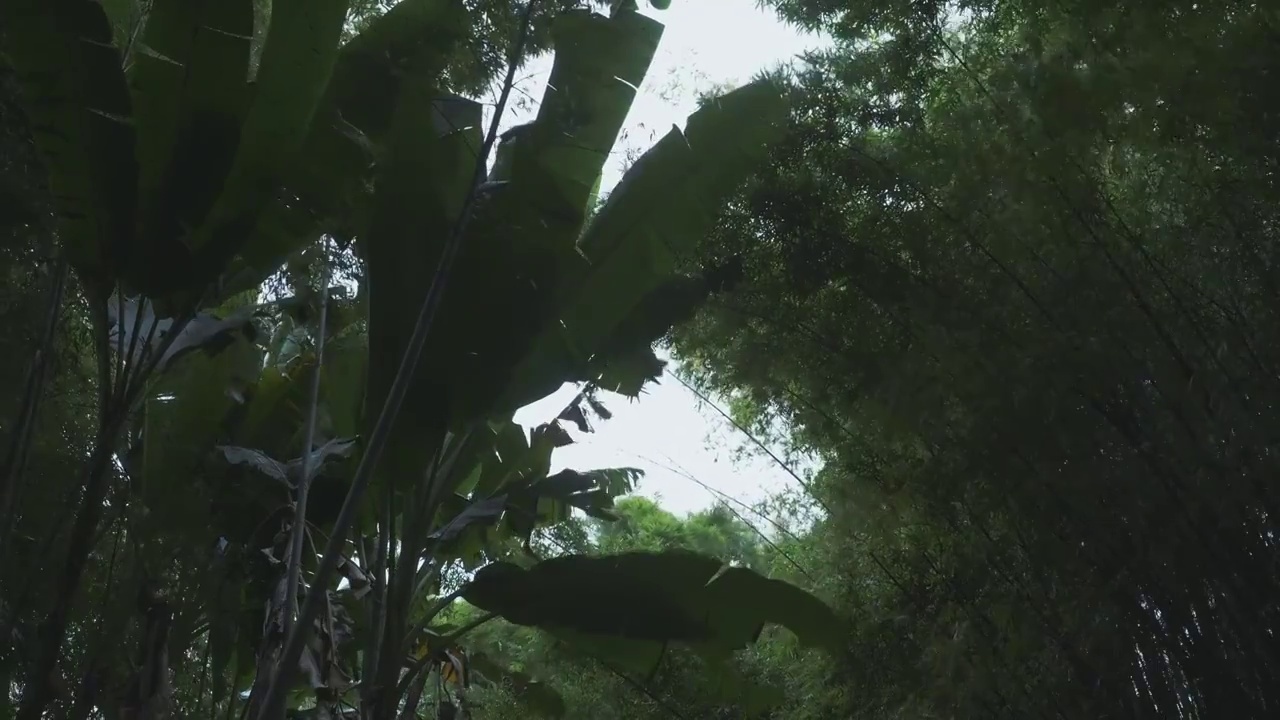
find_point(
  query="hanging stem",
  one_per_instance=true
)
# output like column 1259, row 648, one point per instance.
column 23, row 432
column 294, row 572
column 411, row 676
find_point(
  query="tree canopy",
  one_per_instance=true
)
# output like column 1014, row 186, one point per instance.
column 1010, row 275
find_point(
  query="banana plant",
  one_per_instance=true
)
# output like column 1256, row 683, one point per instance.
column 164, row 152
column 186, row 174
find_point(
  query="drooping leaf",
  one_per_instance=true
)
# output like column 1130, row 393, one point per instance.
column 627, row 373
column 625, row 363
column 557, row 160
column 290, row 473
column 517, row 458
column 656, row 597
column 674, row 301
column 358, row 581
column 473, row 533
column 584, row 406
column 486, row 511
column 259, row 461
column 598, row 407
column 530, row 502
column 564, row 592
column 205, row 331
column 319, row 665
column 574, row 414
column 566, row 483
column 617, row 481
column 662, row 207
column 335, row 448
column 550, row 499
column 514, row 486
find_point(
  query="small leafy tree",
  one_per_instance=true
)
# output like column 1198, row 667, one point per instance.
column 303, row 484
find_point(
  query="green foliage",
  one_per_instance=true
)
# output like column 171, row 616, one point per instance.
column 78, row 106
column 651, row 598
column 1007, row 276
column 672, row 680
column 659, row 211
column 196, row 148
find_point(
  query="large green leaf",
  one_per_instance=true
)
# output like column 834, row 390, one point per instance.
column 664, row 205
column 276, row 409
column 503, row 285
column 298, row 58
column 77, row 101
column 673, row 596
column 343, row 383
column 367, row 80
column 509, row 492
column 424, row 176
column 530, row 212
column 625, row 362
column 327, row 190
column 189, row 80
column 187, row 410
column 272, row 419
column 557, row 160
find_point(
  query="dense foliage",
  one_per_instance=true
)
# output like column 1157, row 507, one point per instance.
column 1007, row 270
column 1012, row 276
column 269, row 493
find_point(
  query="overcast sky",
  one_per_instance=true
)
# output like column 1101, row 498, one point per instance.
column 707, row 43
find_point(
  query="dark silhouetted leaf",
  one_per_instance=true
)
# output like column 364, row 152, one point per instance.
column 486, row 511
column 80, row 113
column 259, row 461
column 669, row 596
column 205, row 331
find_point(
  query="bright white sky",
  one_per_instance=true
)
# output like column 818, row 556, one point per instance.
column 707, row 43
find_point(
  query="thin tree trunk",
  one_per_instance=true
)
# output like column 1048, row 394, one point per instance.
column 37, row 376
